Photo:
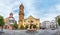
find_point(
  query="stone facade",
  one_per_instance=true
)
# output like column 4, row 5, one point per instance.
column 32, row 20
column 23, row 21
column 21, row 15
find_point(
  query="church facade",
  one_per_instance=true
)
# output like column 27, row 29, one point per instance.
column 29, row 20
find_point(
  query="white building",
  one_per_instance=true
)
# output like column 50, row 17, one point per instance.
column 53, row 24
column 46, row 24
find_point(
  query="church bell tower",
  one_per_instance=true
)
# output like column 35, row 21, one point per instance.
column 21, row 15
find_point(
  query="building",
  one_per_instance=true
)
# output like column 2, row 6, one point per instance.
column 53, row 25
column 9, row 21
column 21, row 15
column 49, row 24
column 31, row 20
column 28, row 20
column 56, row 19
column 46, row 24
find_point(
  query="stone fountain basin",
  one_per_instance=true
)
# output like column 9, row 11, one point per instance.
column 31, row 30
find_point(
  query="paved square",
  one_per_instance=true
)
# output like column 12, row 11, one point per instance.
column 24, row 32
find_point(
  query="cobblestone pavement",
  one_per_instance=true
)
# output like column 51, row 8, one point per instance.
column 25, row 32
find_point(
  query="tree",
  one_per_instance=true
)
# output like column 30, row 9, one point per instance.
column 34, row 26
column 2, row 23
column 59, row 21
column 15, row 25
column 22, row 27
column 26, row 26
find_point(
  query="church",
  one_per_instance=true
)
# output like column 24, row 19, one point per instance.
column 27, row 21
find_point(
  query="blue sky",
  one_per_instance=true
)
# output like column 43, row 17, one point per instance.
column 42, row 9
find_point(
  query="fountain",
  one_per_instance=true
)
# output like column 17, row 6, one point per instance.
column 31, row 29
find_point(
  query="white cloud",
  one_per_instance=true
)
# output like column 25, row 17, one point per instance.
column 58, row 7
column 7, row 6
column 53, row 11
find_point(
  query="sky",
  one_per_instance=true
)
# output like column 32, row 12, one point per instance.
column 42, row 9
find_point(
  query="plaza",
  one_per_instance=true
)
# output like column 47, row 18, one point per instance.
column 34, row 18
column 24, row 32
